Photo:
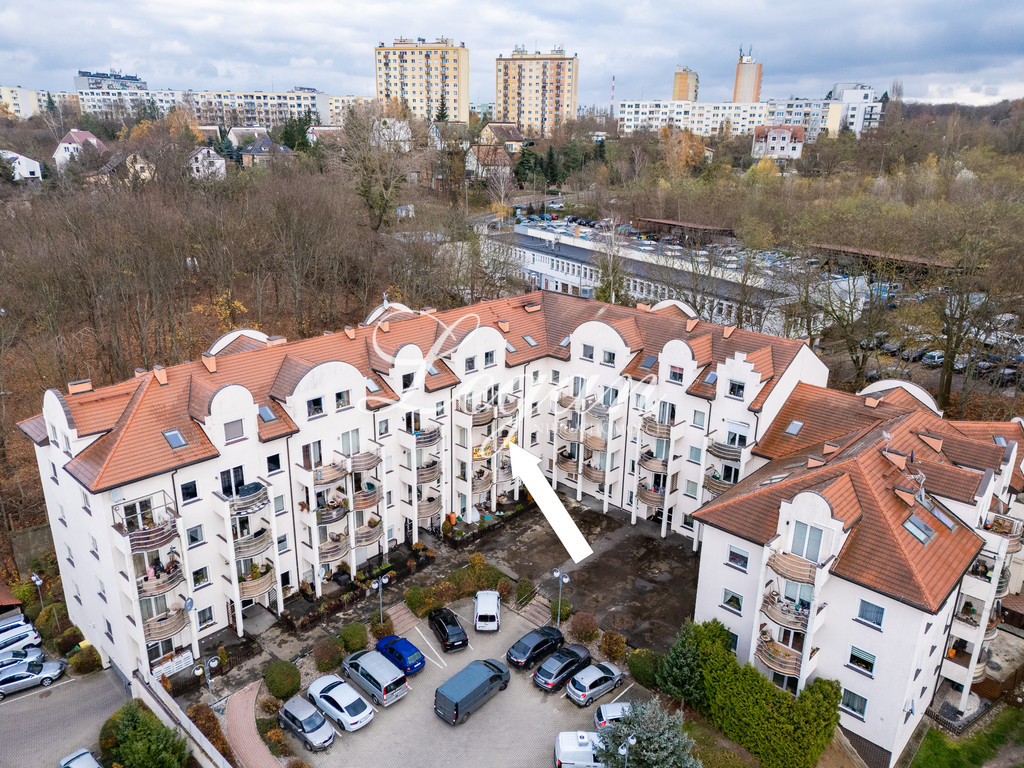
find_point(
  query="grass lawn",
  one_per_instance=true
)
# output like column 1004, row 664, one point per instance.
column 939, row 751
column 708, row 745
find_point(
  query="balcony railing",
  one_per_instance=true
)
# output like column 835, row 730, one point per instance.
column 149, row 522
column 792, row 567
column 980, row 668
column 716, row 485
column 509, row 409
column 367, row 499
column 778, row 657
column 594, row 440
column 428, row 507
column 504, row 472
column 250, row 546
column 576, row 402
column 568, row 432
column 599, row 410
column 654, row 428
column 1010, row 529
column 364, row 461
column 482, row 414
column 332, row 551
column 328, row 515
column 992, row 630
column 154, row 537
column 369, row 534
column 250, row 498
column 151, row 587
column 1003, row 585
column 652, row 497
column 483, row 452
column 725, row 451
column 968, row 618
column 428, row 437
column 652, row 463
column 784, row 613
column 328, row 474
column 593, row 474
column 165, row 626
column 566, row 463
column 429, row 473
column 253, row 588
column 481, row 481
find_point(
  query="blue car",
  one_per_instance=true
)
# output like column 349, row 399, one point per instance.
column 401, row 653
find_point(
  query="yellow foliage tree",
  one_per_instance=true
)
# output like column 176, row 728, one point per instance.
column 682, row 150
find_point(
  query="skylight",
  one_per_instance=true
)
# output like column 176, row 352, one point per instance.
column 711, row 378
column 372, row 385
column 266, row 414
column 649, row 361
column 919, row 529
column 1000, row 441
column 529, row 340
column 174, row 438
column 432, row 369
column 937, row 511
column 564, row 342
column 794, row 427
column 775, row 479
column 509, row 347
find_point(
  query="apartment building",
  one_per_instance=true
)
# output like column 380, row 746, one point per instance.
column 26, row 103
column 851, row 105
column 779, row 142
column 536, row 91
column 863, row 538
column 747, row 87
column 703, row 118
column 421, row 75
column 223, row 483
column 685, row 84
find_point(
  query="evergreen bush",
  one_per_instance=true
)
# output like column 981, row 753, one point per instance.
column 353, row 636
column 68, row 639
column 561, row 610
column 644, row 665
column 414, row 599
column 283, row 679
column 524, row 587
column 86, row 660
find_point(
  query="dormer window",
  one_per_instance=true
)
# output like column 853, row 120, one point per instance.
column 675, row 374
column 315, row 407
column 407, row 381
column 609, row 358
column 174, row 438
column 736, row 389
column 234, row 430
column 342, row 399
column 588, row 352
column 807, row 541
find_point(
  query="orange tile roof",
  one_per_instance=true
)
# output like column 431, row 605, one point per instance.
column 1010, row 431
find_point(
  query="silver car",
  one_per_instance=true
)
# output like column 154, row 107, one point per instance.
column 83, row 758
column 607, row 715
column 593, row 682
column 339, row 702
column 24, row 655
column 28, row 675
column 305, row 721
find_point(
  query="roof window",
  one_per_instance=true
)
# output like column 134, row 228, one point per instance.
column 1000, row 441
column 649, row 361
column 564, row 342
column 174, row 438
column 266, row 414
column 711, row 378
column 794, row 428
column 919, row 529
column 775, row 479
column 530, row 340
column 509, row 347
column 432, row 369
column 372, row 385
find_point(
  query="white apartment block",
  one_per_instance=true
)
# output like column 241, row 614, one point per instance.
column 779, row 142
column 536, row 91
column 226, row 482
column 703, row 118
column 863, row 538
column 26, row 103
column 852, row 105
column 421, row 75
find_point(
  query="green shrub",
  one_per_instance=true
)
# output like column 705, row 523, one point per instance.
column 206, row 721
column 613, row 645
column 379, row 630
column 506, row 589
column 86, row 660
column 414, row 599
column 446, row 528
column 327, row 653
column 133, row 737
column 272, row 735
column 68, row 639
column 353, row 636
column 584, row 628
column 524, row 587
column 644, row 665
column 283, row 679
column 561, row 610
column 222, row 657
column 52, row 620
column 476, row 563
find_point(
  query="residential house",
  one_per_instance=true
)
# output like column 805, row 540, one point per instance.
column 240, row 136
column 505, row 134
column 25, row 168
column 779, row 142
column 72, row 144
column 484, row 160
column 265, row 152
column 331, row 133
column 204, row 163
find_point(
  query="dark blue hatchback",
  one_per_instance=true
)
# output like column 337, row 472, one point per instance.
column 401, row 653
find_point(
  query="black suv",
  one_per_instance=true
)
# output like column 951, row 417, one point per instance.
column 449, row 632
column 560, row 666
column 534, row 646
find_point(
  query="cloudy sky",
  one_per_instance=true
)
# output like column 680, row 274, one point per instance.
column 942, row 50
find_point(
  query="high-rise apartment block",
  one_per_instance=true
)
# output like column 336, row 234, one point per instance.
column 536, row 91
column 748, row 80
column 684, row 85
column 422, row 75
column 108, row 81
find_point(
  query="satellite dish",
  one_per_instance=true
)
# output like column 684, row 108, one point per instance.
column 213, row 662
column 197, row 670
column 189, row 602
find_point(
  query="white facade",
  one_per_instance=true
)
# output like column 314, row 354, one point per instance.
column 25, row 168
column 71, row 145
column 204, row 163
column 703, row 118
column 778, row 142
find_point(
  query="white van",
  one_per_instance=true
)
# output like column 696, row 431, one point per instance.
column 576, row 749
column 487, row 611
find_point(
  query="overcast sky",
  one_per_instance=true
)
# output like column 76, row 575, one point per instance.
column 942, row 50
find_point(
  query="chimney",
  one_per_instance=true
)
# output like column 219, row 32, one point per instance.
column 532, row 307
column 385, row 327
column 140, row 372
column 276, row 341
column 428, row 310
column 728, row 331
column 644, row 307
column 210, row 361
column 161, row 374
column 691, row 324
column 870, row 402
column 503, row 326
column 80, row 386
column 350, row 331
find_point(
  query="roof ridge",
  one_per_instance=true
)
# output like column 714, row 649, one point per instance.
column 120, row 429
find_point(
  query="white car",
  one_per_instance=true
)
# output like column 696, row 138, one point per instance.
column 577, row 749
column 340, row 703
column 83, row 758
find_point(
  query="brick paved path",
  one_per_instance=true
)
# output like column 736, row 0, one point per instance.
column 242, row 734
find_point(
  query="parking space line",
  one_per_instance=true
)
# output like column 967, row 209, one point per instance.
column 26, row 694
column 623, row 693
column 430, row 648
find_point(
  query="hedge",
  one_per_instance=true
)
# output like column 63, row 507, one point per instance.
column 206, row 721
column 644, row 665
column 380, row 631
column 68, row 639
column 524, row 587
column 353, row 636
column 566, row 609
column 283, row 679
column 86, row 660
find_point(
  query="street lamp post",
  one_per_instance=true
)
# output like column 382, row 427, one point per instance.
column 211, row 664
column 378, row 584
column 624, row 749
column 563, row 578
column 37, row 580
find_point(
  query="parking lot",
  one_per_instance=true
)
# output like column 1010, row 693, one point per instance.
column 517, row 727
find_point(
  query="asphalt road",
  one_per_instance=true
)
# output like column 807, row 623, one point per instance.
column 40, row 726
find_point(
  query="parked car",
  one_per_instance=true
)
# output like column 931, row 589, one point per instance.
column 339, row 702
column 981, row 369
column 560, row 666
column 83, row 758
column 892, row 348
column 19, row 677
column 593, row 683
column 914, row 352
column 534, row 646
column 577, row 749
column 885, row 372
column 874, row 341
column 307, row 723
column 24, row 655
column 462, row 694
column 934, row 359
column 1006, row 377
column 448, row 630
column 487, row 611
column 372, row 672
column 19, row 636
column 403, row 654
column 960, row 362
column 607, row 715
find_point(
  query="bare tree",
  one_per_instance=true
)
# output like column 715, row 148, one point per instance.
column 501, row 186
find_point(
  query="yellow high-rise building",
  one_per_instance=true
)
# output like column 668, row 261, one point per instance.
column 536, row 91
column 684, row 85
column 748, row 80
column 422, row 74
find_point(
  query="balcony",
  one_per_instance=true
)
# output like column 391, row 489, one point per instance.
column 482, row 414
column 992, row 630
column 725, row 451
column 368, row 534
column 566, row 463
column 784, row 613
column 1009, row 528
column 367, row 499
column 509, row 409
column 1003, row 584
column 483, row 452
column 593, row 474
column 716, row 485
column 967, row 616
column 568, row 432
column 332, row 514
column 364, row 461
column 652, row 463
column 429, row 472
column 428, row 507
column 504, row 472
column 333, row 551
column 250, row 546
column 599, row 410
column 165, row 626
column 151, row 587
column 153, row 537
column 792, row 567
column 148, row 522
column 778, row 657
column 593, row 440
column 249, row 588
column 574, row 402
column 654, row 428
column 248, row 499
column 481, row 481
column 652, row 497
column 328, row 475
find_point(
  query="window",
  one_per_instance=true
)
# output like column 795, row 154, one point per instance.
column 862, row 659
column 731, row 600
column 736, row 389
column 640, row 402
column 205, row 617
column 695, row 454
column 919, row 528
column 71, row 558
column 509, row 347
column 439, row 409
column 536, row 376
column 274, row 463
column 738, row 557
column 407, row 381
column 460, row 438
column 470, row 364
column 382, row 427
column 798, row 593
column 794, row 427
column 233, row 430
column 86, row 504
column 315, row 407
column 609, row 358
column 734, row 641
column 174, row 438
column 870, row 613
column 342, row 399
column 588, row 352
column 200, row 577
column 93, row 546
column 675, row 374
column 533, row 438
column 189, row 491
column 266, row 414
column 555, row 376
column 488, row 359
column 350, row 442
column 534, row 409
column 194, row 535
column 110, row 629
column 529, row 340
column 806, row 540
column 698, row 419
column 282, row 542
column 101, row 588
column 611, row 396
column 853, row 703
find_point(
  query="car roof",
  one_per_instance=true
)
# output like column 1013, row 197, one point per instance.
column 299, row 707
column 615, row 709
column 402, row 645
column 589, row 674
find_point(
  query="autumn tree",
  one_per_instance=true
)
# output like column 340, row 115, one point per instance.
column 682, row 150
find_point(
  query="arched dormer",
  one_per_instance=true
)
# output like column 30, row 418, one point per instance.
column 231, row 416
column 917, row 392
column 255, row 338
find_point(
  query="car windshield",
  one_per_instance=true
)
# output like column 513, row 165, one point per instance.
column 415, row 657
column 549, row 667
column 312, row 722
column 35, row 667
column 579, row 686
column 524, row 645
column 356, row 707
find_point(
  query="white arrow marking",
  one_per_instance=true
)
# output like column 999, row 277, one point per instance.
column 524, row 467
